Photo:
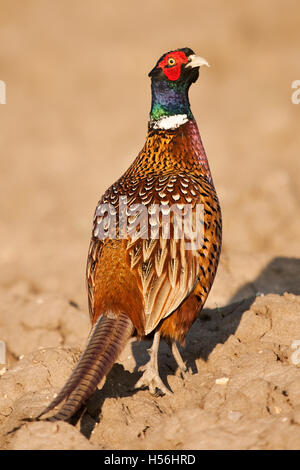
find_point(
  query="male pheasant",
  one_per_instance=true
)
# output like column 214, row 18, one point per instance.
column 143, row 273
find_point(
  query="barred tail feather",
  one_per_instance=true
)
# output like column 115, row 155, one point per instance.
column 108, row 337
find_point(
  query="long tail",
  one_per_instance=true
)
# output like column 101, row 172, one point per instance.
column 108, row 337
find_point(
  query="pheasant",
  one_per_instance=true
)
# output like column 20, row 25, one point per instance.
column 145, row 274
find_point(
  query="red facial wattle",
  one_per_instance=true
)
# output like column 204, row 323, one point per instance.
column 172, row 72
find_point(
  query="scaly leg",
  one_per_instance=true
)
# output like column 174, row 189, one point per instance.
column 150, row 377
column 178, row 358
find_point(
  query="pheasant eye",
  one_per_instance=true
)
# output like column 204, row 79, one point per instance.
column 171, row 61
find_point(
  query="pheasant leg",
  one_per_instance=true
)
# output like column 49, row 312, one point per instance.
column 178, row 359
column 150, row 377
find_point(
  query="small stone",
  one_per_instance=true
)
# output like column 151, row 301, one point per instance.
column 234, row 415
column 222, row 381
column 284, row 419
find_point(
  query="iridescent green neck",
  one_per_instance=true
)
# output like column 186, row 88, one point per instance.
column 169, row 99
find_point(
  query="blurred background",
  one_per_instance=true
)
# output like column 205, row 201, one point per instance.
column 76, row 113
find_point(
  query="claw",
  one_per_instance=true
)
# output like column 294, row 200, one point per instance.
column 150, row 377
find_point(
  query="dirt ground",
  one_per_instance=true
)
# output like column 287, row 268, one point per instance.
column 76, row 112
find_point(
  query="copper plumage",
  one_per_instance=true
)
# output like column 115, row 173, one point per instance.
column 152, row 284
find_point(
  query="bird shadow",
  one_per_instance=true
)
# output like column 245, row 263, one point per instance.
column 213, row 326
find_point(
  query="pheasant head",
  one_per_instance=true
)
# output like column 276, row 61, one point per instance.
column 171, row 79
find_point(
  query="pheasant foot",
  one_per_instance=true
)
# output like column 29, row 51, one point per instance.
column 150, row 377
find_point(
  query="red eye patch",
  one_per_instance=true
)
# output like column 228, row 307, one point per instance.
column 173, row 72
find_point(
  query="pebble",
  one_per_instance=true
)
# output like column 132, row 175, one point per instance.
column 222, row 381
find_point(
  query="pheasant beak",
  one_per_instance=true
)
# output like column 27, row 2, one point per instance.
column 196, row 61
